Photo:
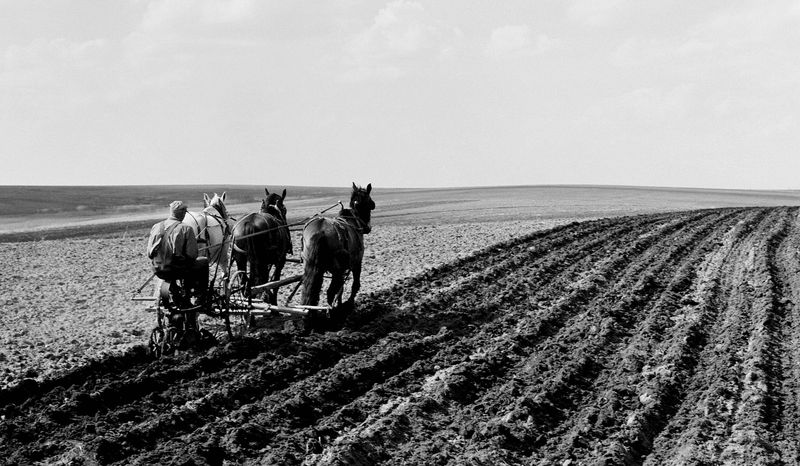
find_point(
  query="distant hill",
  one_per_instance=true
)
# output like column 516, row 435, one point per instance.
column 52, row 212
column 33, row 200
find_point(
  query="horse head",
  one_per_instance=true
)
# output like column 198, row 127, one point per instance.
column 362, row 204
column 217, row 202
column 273, row 204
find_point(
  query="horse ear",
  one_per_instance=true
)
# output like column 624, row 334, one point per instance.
column 266, row 191
column 224, row 193
column 355, row 188
column 206, row 200
column 369, row 188
column 283, row 196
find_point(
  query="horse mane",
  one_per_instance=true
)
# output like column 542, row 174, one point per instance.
column 272, row 206
column 217, row 203
column 272, row 211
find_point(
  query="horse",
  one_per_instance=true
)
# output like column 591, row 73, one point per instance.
column 336, row 246
column 261, row 240
column 212, row 227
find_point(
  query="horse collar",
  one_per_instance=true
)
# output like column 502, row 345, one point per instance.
column 214, row 212
column 363, row 226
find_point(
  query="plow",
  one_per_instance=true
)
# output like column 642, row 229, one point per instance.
column 228, row 310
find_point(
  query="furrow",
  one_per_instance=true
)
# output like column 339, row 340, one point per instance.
column 785, row 398
column 554, row 418
column 750, row 441
column 168, row 419
column 554, row 306
column 484, row 368
column 703, row 422
column 655, row 365
column 535, row 246
column 277, row 416
column 477, row 291
column 161, row 380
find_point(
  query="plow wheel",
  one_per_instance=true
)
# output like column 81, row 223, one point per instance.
column 238, row 287
column 171, row 337
column 238, row 318
column 156, row 344
column 228, row 320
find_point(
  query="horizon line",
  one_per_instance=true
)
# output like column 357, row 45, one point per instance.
column 549, row 185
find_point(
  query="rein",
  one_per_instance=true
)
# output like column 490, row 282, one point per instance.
column 301, row 222
column 362, row 225
column 263, row 214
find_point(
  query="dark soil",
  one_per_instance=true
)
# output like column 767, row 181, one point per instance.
column 656, row 339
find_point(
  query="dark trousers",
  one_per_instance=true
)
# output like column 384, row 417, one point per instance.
column 197, row 277
column 195, row 283
column 194, row 275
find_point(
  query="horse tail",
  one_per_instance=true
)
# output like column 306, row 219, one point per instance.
column 251, row 248
column 244, row 250
column 314, row 248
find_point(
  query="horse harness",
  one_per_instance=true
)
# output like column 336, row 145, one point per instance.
column 362, row 227
column 203, row 236
column 264, row 215
column 341, row 225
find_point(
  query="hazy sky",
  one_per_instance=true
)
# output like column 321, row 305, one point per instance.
column 401, row 93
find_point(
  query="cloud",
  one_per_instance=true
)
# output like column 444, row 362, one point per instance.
column 596, row 12
column 177, row 14
column 41, row 51
column 403, row 33
column 508, row 41
column 50, row 65
column 742, row 50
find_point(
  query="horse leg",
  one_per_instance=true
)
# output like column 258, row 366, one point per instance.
column 356, row 283
column 335, row 287
column 267, row 293
column 275, row 277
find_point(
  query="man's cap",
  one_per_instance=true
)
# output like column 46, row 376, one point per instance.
column 177, row 206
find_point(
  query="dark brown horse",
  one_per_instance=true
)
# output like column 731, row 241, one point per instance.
column 336, row 246
column 261, row 240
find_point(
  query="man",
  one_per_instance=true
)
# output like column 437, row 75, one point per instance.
column 173, row 249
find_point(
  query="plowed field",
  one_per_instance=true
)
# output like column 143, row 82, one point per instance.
column 659, row 339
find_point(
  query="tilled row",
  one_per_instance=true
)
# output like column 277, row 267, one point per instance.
column 660, row 339
column 285, row 448
column 134, row 396
column 462, row 380
column 551, row 365
column 103, row 379
column 784, row 371
column 662, row 356
column 599, row 430
column 470, row 366
column 722, row 389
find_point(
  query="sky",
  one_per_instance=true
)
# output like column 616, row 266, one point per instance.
column 401, row 93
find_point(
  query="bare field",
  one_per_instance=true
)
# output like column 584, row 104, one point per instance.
column 495, row 336
column 72, row 303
